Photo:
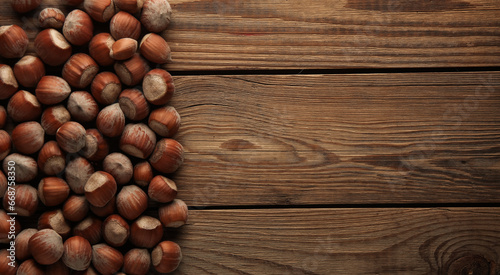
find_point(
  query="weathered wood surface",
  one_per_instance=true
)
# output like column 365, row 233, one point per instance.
column 341, row 241
column 339, row 139
column 293, row 34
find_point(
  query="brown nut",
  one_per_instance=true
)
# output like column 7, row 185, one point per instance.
column 52, row 47
column 168, row 156
column 133, row 104
column 156, row 15
column 51, row 18
column 106, row 259
column 78, row 28
column 124, row 25
column 29, row 70
column 158, row 87
column 105, row 210
column 23, row 106
column 132, row 71
column 26, row 167
column 99, row 48
column 25, row 200
column 100, row 188
column 174, row 214
column 111, row 121
column 28, row 137
column 22, row 239
column 162, row 189
column 138, row 140
column 8, row 82
column 54, row 220
column 100, row 10
column 58, row 268
column 106, row 87
column 46, row 246
column 51, row 160
column 119, row 166
column 3, row 184
column 115, row 230
column 13, row 41
column 5, row 144
column 77, row 253
column 3, row 116
column 77, row 173
column 82, row 106
column 165, row 121
column 166, row 256
column 71, row 137
column 52, row 90
column 137, row 262
column 75, row 208
column 30, row 267
column 96, row 147
column 24, row 6
column 73, row 2
column 155, row 49
column 80, row 70
column 90, row 229
column 8, row 264
column 5, row 227
column 130, row 6
column 123, row 49
column 131, row 202
column 53, row 191
column 54, row 117
column 146, row 232
column 143, row 173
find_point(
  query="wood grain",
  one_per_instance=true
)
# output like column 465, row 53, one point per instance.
column 341, row 241
column 339, row 139
column 324, row 34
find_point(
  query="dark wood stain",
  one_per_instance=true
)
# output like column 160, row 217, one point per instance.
column 409, row 5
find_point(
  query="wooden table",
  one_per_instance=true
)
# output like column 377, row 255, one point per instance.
column 337, row 136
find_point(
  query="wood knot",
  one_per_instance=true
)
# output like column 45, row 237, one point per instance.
column 238, row 144
column 470, row 265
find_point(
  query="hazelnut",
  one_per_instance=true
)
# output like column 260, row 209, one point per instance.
column 5, row 267
column 119, row 166
column 131, row 202
column 133, row 104
column 96, row 147
column 51, row 18
column 24, row 6
column 51, row 160
column 111, row 121
column 29, row 70
column 6, row 228
column 156, row 15
column 54, row 117
column 3, row 115
column 124, row 25
column 99, row 48
column 71, row 137
column 158, row 86
column 166, row 256
column 106, row 259
column 155, row 49
column 13, row 41
column 80, row 70
column 22, row 239
column 115, row 230
column 146, row 232
column 46, row 246
column 138, row 140
column 77, row 253
column 23, row 106
column 123, row 49
column 165, row 121
column 77, row 173
column 100, row 10
column 174, row 214
column 8, row 82
column 143, row 173
column 90, row 229
column 130, row 6
column 82, row 106
column 3, row 184
column 78, row 27
column 25, row 199
column 54, row 220
column 28, row 137
column 52, row 47
column 137, row 262
column 162, row 189
column 30, row 267
column 26, row 167
column 53, row 191
column 106, row 87
column 105, row 210
column 100, row 188
column 75, row 208
column 52, row 90
column 168, row 156
column 132, row 71
column 5, row 144
column 58, row 268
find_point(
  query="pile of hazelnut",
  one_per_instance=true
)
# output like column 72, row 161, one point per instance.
column 86, row 149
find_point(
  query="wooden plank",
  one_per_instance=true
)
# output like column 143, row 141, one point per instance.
column 339, row 139
column 324, row 34
column 341, row 241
